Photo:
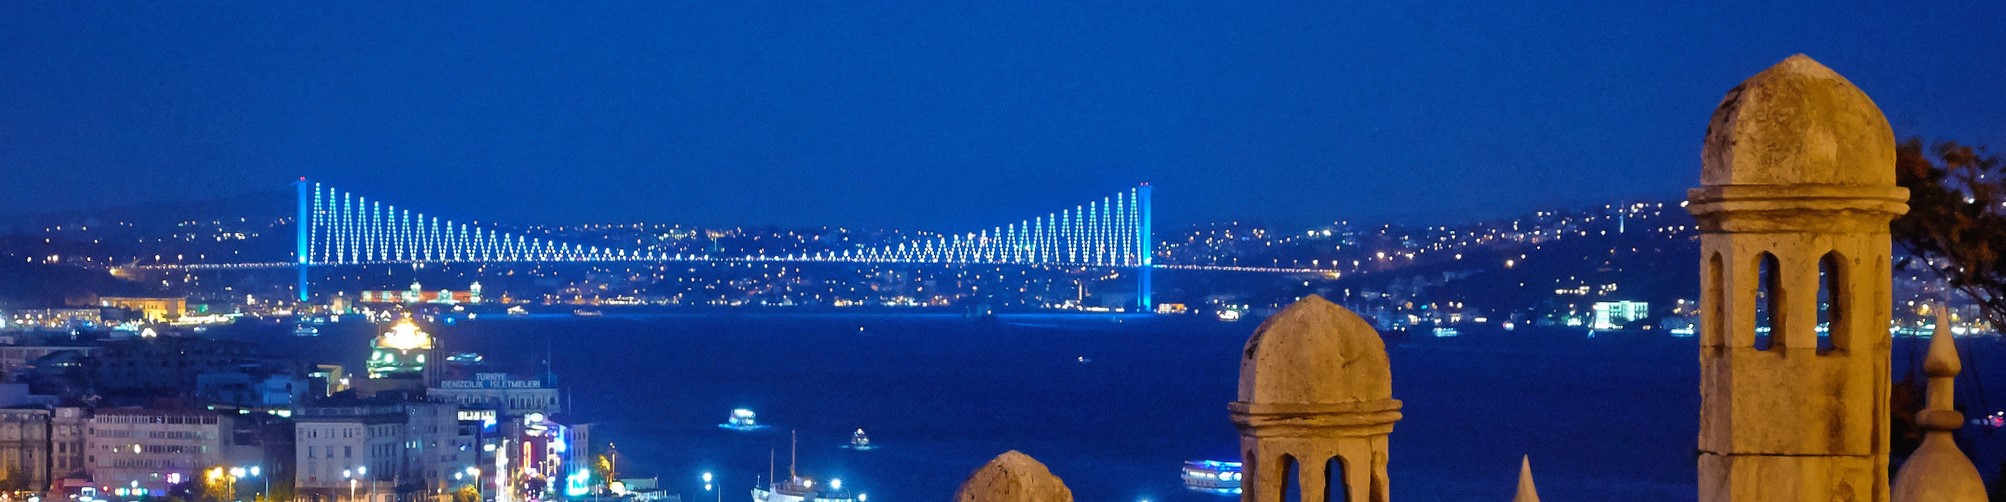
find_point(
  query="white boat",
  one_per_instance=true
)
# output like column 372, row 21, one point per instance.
column 742, row 420
column 801, row 489
column 518, row 310
column 1445, row 332
column 860, row 441
column 1212, row 476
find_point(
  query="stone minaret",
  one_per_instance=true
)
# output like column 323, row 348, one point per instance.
column 1938, row 471
column 1316, row 396
column 1798, row 177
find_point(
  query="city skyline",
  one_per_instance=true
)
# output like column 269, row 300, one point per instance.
column 931, row 116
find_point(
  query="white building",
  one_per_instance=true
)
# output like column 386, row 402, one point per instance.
column 376, row 449
column 1614, row 315
column 153, row 449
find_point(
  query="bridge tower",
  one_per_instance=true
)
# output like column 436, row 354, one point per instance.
column 1797, row 190
column 1147, row 249
column 302, row 236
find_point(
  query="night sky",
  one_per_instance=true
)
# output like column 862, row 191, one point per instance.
column 935, row 114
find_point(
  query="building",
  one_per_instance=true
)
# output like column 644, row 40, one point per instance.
column 154, row 449
column 376, row 449
column 400, row 352
column 149, row 309
column 1616, row 315
column 418, row 294
column 166, row 362
column 508, row 395
column 25, row 446
column 16, row 357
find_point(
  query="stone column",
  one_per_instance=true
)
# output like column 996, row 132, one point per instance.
column 1798, row 173
column 1315, row 387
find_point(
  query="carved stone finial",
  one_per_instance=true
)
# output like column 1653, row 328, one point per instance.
column 1013, row 477
column 1938, row 471
column 1798, row 122
column 1526, row 492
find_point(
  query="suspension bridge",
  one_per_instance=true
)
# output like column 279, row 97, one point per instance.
column 340, row 228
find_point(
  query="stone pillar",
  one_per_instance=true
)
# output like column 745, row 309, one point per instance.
column 1798, row 173
column 1314, row 386
column 1013, row 477
column 1938, row 471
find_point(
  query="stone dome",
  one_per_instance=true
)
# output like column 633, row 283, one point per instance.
column 1938, row 472
column 1798, row 123
column 1013, row 477
column 1315, row 352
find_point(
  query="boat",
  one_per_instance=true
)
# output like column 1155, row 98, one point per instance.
column 1445, row 332
column 860, row 441
column 1216, row 477
column 742, row 420
column 800, row 489
column 1231, row 314
column 304, row 329
column 518, row 310
column 586, row 313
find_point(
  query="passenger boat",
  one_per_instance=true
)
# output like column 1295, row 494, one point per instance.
column 742, row 420
column 586, row 313
column 1212, row 476
column 1446, row 332
column 860, row 441
column 801, row 489
column 518, row 310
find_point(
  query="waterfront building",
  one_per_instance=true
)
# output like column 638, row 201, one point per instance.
column 162, row 309
column 154, row 449
column 400, row 352
column 1617, row 314
column 18, row 357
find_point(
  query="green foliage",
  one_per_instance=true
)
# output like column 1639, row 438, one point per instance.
column 1956, row 223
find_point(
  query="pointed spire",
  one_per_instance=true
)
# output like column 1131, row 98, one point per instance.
column 1526, row 492
column 1938, row 471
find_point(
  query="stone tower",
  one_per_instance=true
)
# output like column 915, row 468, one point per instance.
column 1798, row 179
column 1316, row 398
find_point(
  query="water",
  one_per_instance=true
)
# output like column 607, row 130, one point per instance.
column 1602, row 417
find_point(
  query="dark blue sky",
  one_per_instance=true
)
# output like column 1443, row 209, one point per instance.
column 936, row 114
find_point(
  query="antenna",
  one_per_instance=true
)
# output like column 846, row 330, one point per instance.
column 793, row 447
column 769, row 466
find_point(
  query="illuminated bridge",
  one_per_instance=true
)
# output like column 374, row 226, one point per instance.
column 340, row 228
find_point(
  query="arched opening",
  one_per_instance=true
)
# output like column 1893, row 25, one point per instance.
column 1334, row 489
column 1711, row 312
column 1291, row 480
column 1832, row 332
column 1768, row 303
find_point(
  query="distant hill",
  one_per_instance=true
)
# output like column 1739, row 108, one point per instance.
column 255, row 205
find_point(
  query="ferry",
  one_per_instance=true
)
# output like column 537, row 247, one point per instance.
column 860, row 441
column 1230, row 315
column 742, row 420
column 304, row 329
column 800, row 489
column 586, row 313
column 1216, row 477
column 1446, row 332
column 518, row 310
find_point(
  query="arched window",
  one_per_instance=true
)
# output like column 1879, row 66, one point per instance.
column 1291, row 480
column 1334, row 489
column 1832, row 303
column 1711, row 312
column 1768, row 303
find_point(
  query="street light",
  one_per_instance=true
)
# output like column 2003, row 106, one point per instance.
column 349, row 474
column 475, row 472
column 707, row 486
